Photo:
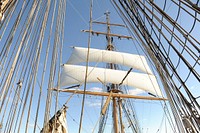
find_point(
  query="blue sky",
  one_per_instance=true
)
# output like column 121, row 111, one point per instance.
column 145, row 110
column 149, row 113
column 76, row 20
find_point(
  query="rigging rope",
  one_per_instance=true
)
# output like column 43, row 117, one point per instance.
column 45, row 65
column 150, row 35
column 22, row 53
column 87, row 63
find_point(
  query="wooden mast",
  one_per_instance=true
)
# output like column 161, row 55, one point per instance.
column 113, row 93
column 113, row 88
column 120, row 114
column 110, row 47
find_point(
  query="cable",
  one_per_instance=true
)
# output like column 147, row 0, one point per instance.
column 87, row 63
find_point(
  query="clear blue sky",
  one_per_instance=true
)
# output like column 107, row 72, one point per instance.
column 150, row 114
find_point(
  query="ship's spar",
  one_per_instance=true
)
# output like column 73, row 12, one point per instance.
column 114, row 92
column 171, row 43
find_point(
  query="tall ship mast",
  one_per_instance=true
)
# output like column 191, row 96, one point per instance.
column 138, row 75
column 111, row 77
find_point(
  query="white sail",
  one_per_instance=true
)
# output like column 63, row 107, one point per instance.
column 134, row 61
column 74, row 74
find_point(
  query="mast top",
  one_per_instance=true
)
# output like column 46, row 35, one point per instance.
column 108, row 34
column 108, row 37
column 107, row 13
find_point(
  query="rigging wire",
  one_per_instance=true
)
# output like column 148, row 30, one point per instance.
column 180, row 42
column 62, row 20
column 87, row 63
column 19, row 83
column 29, row 83
column 29, row 55
column 53, row 73
column 121, row 11
column 45, row 65
column 136, row 49
column 38, row 59
column 76, row 10
column 140, row 57
column 13, row 6
column 24, row 65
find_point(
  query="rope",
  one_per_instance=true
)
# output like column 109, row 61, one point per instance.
column 87, row 63
column 62, row 20
column 151, row 34
column 45, row 65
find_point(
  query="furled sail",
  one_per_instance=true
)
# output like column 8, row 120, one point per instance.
column 74, row 74
column 134, row 61
column 58, row 125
